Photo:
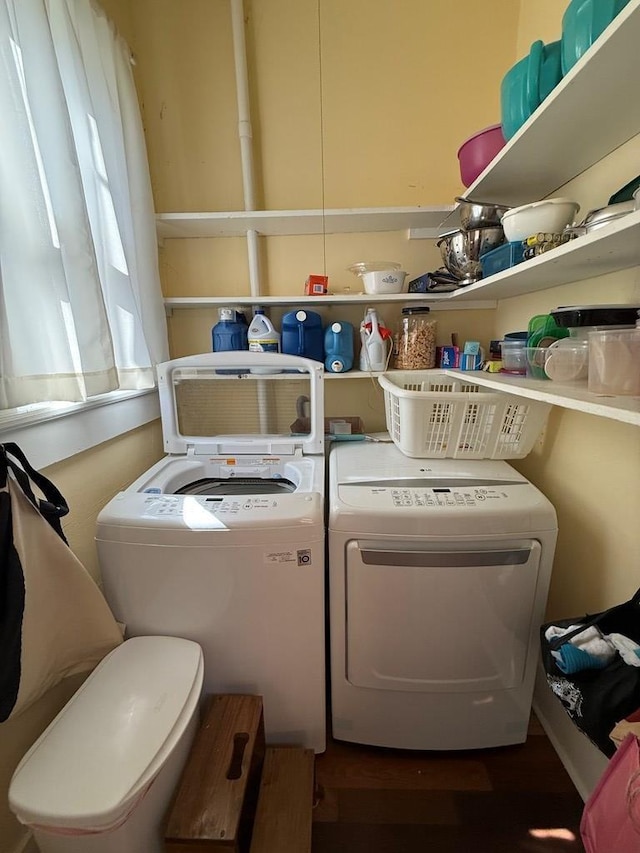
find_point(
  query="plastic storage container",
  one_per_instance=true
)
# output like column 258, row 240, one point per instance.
column 567, row 360
column 102, row 775
column 416, row 340
column 338, row 347
column 431, row 415
column 302, row 334
column 614, row 362
column 525, row 86
column 514, row 354
column 262, row 336
column 582, row 22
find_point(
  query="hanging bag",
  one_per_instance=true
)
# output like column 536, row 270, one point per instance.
column 597, row 699
column 611, row 816
column 54, row 621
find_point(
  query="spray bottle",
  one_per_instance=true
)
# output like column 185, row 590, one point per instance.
column 374, row 350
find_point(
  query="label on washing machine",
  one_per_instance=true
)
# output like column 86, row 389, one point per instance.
column 297, row 557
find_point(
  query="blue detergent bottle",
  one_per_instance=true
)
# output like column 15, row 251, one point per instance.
column 302, row 334
column 338, row 347
column 229, row 334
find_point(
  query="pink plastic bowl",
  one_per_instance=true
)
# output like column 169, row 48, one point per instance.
column 478, row 151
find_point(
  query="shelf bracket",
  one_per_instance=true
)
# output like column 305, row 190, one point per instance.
column 424, row 233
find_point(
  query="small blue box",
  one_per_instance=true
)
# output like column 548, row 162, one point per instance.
column 505, row 256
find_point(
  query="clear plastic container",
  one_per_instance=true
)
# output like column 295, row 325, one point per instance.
column 567, row 360
column 614, row 362
column 514, row 356
column 416, row 340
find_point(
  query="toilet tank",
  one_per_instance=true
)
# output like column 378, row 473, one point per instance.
column 98, row 757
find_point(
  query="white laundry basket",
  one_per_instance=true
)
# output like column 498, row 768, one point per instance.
column 431, row 415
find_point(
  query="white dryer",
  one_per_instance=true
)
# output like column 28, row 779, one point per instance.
column 223, row 540
column 438, row 578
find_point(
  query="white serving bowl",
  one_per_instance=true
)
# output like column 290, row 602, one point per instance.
column 383, row 281
column 551, row 215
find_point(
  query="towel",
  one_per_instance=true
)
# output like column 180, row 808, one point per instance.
column 587, row 650
column 629, row 651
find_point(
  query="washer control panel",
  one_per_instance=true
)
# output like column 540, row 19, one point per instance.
column 155, row 504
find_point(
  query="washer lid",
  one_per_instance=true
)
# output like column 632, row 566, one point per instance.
column 88, row 768
column 234, row 403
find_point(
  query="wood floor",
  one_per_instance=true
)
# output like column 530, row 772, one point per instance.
column 516, row 799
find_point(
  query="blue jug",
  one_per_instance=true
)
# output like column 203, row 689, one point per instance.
column 338, row 347
column 229, row 334
column 302, row 334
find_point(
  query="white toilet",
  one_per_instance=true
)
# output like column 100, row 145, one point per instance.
column 101, row 776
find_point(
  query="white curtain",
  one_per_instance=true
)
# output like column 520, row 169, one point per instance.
column 80, row 302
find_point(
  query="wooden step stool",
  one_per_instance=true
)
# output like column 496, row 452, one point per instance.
column 284, row 814
column 216, row 798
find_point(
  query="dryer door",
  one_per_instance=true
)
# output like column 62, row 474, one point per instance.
column 428, row 617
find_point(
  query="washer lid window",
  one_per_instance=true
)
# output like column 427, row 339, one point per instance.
column 240, row 402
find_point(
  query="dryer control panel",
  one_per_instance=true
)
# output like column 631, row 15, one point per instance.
column 445, row 496
column 438, row 509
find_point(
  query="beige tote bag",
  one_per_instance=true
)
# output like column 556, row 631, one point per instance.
column 55, row 620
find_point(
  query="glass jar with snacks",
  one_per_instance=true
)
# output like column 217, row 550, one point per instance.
column 416, row 339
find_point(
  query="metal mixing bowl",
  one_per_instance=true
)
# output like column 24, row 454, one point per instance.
column 461, row 251
column 477, row 214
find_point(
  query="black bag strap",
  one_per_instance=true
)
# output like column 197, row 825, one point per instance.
column 590, row 621
column 53, row 505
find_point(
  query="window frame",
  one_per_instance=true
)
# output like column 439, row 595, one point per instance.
column 55, row 434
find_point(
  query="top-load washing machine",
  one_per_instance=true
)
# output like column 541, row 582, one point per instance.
column 438, row 578
column 223, row 540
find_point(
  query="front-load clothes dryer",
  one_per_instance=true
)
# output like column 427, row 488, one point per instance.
column 438, row 578
column 223, row 540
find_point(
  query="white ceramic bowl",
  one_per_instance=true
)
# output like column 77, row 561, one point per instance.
column 551, row 215
column 383, row 281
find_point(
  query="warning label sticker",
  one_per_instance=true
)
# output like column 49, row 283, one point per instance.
column 300, row 557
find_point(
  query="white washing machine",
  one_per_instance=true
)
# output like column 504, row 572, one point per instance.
column 438, row 578
column 223, row 540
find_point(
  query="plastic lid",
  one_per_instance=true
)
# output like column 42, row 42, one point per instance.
column 373, row 266
column 88, row 768
column 573, row 316
column 226, row 314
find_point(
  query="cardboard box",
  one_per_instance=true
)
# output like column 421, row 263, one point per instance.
column 316, row 285
column 448, row 356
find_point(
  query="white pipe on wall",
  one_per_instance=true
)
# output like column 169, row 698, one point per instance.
column 246, row 137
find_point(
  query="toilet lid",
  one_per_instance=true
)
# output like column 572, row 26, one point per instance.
column 107, row 744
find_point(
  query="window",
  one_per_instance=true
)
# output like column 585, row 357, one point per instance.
column 81, row 313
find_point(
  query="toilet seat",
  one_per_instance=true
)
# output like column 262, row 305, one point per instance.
column 97, row 758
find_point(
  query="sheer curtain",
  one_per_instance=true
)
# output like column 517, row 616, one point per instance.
column 80, row 302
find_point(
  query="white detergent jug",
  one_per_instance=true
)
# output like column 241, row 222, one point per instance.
column 374, row 350
column 263, row 337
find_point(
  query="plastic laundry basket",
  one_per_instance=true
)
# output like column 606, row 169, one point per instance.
column 432, row 415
